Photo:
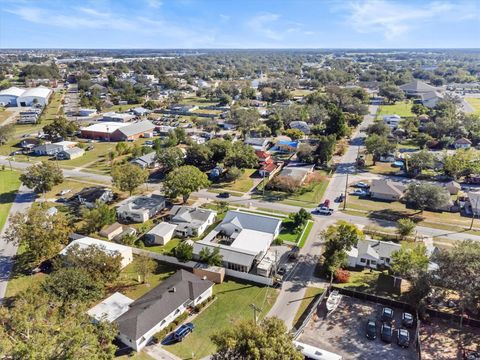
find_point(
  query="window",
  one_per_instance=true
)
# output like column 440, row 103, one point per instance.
column 362, row 260
column 374, row 262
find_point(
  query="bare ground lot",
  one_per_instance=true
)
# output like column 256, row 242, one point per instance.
column 440, row 340
column 343, row 332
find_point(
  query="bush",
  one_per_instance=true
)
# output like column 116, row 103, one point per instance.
column 342, row 276
column 283, row 183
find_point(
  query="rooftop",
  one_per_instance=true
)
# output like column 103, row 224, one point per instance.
column 110, row 308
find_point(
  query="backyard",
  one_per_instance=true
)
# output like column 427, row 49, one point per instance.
column 402, row 108
column 8, row 189
column 289, row 235
column 242, row 185
column 475, row 103
column 232, row 304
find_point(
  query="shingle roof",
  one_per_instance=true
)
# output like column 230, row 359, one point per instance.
column 154, row 306
column 255, row 222
column 417, row 86
column 380, row 186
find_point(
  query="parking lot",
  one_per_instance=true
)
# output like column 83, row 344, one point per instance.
column 343, row 332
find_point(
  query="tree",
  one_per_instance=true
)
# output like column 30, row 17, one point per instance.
column 306, row 154
column 336, row 124
column 183, row 181
column 128, row 177
column 463, row 162
column 37, row 327
column 144, row 266
column 379, row 128
column 378, row 146
column 284, row 183
column 61, row 127
column 392, row 92
column 339, row 239
column 406, row 227
column 170, row 158
column 233, row 173
column 100, row 264
column 425, row 195
column 42, row 177
column 6, row 132
column 245, row 119
column 294, row 134
column 420, row 161
column 199, row 156
column 41, row 235
column 242, row 156
column 410, row 262
column 325, row 148
column 97, row 217
column 219, row 149
column 269, row 340
column 300, row 218
column 419, row 109
column 122, row 148
column 211, row 257
column 70, row 285
column 274, row 123
column 184, row 252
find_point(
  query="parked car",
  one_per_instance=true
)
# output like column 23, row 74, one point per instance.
column 362, row 185
column 326, row 203
column 224, row 195
column 387, row 314
column 322, row 210
column 183, row 331
column 371, row 330
column 403, row 338
column 339, row 199
column 64, row 192
column 282, row 270
column 359, row 192
column 386, row 332
column 407, row 320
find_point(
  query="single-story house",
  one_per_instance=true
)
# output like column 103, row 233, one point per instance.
column 257, row 143
column 117, row 117
column 263, row 156
column 146, row 161
column 431, row 98
column 462, row 143
column 386, row 190
column 87, row 112
column 161, row 234
column 110, row 231
column 47, row 149
column 140, row 208
column 268, row 169
column 372, row 253
column 70, row 154
column 106, row 246
column 160, row 306
column 191, row 221
column 392, row 120
column 416, row 88
column 140, row 111
column 300, row 125
column 286, row 146
column 298, row 173
column 89, row 196
column 111, row 308
column 243, row 239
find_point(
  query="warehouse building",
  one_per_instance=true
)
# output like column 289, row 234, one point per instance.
column 15, row 96
column 114, row 131
column 8, row 97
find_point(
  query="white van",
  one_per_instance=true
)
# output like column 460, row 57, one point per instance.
column 314, row 353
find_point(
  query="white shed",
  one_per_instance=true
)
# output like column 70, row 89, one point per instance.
column 161, row 234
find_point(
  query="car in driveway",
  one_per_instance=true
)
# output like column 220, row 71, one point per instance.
column 359, row 192
column 407, row 320
column 403, row 338
column 362, row 185
column 387, row 315
column 323, row 210
column 371, row 330
column 183, row 331
column 386, row 333
column 326, row 203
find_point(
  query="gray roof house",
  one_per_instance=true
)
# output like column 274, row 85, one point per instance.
column 88, row 196
column 191, row 221
column 139, row 209
column 70, row 154
column 257, row 143
column 416, row 88
column 242, row 239
column 386, row 190
column 47, row 149
column 300, row 125
column 160, row 306
column 372, row 253
column 146, row 161
column 161, row 233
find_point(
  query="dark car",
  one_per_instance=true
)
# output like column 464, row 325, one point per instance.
column 386, row 332
column 183, row 331
column 224, row 195
column 403, row 338
column 387, row 315
column 371, row 330
column 407, row 320
column 339, row 199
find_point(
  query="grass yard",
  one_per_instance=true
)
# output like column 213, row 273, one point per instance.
column 232, row 304
column 300, row 92
column 193, row 100
column 308, row 298
column 9, row 185
column 401, row 108
column 135, row 356
column 127, row 107
column 74, row 186
column 99, row 151
column 474, row 102
column 288, row 233
column 4, row 114
column 242, row 185
column 164, row 249
column 304, row 237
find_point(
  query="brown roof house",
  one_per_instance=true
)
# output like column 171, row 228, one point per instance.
column 386, row 190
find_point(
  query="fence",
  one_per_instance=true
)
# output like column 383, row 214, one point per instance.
column 309, row 311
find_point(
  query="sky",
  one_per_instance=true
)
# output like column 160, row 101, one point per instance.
column 157, row 24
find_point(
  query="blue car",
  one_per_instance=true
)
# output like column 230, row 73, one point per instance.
column 183, row 331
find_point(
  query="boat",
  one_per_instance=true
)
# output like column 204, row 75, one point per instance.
column 333, row 300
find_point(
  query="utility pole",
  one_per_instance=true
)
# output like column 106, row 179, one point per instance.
column 346, row 188
column 255, row 309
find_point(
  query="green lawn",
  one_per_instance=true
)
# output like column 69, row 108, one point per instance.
column 308, row 298
column 4, row 115
column 198, row 101
column 242, row 185
column 401, row 108
column 232, row 304
column 135, row 356
column 475, row 102
column 9, row 185
column 164, row 249
column 74, row 186
column 288, row 233
column 304, row 237
column 120, row 108
column 98, row 153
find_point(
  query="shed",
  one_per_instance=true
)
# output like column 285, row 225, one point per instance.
column 110, row 231
column 161, row 233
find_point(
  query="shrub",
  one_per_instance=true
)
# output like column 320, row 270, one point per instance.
column 342, row 276
column 283, row 183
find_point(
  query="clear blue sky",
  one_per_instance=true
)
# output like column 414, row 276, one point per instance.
column 239, row 24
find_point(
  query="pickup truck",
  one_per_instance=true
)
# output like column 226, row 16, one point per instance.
column 323, row 210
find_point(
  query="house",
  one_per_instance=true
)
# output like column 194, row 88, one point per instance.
column 146, row 161
column 243, row 239
column 263, row 157
column 140, row 111
column 392, row 120
column 416, row 88
column 462, row 143
column 372, row 253
column 106, row 246
column 452, row 187
column 70, row 154
column 139, row 209
column 117, row 131
column 300, row 125
column 110, row 231
column 47, row 149
column 430, row 99
column 298, row 173
column 117, row 117
column 89, row 196
column 286, row 146
column 191, row 221
column 160, row 306
column 101, row 90
column 257, row 143
column 386, row 190
column 161, row 234
column 87, row 112
column 111, row 308
column 267, row 170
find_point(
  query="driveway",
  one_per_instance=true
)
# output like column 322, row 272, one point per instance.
column 23, row 201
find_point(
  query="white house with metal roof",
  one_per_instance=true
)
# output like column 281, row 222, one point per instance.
column 372, row 253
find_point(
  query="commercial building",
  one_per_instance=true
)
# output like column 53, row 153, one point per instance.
column 118, row 131
column 38, row 96
column 8, row 97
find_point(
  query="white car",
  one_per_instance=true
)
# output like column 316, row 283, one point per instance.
column 64, row 192
column 362, row 185
column 359, row 192
column 323, row 210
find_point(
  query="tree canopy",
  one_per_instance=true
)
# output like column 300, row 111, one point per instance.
column 128, row 177
column 183, row 181
column 42, row 177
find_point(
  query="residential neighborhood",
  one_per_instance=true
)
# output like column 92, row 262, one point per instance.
column 170, row 199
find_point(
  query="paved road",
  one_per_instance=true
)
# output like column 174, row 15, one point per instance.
column 23, row 201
